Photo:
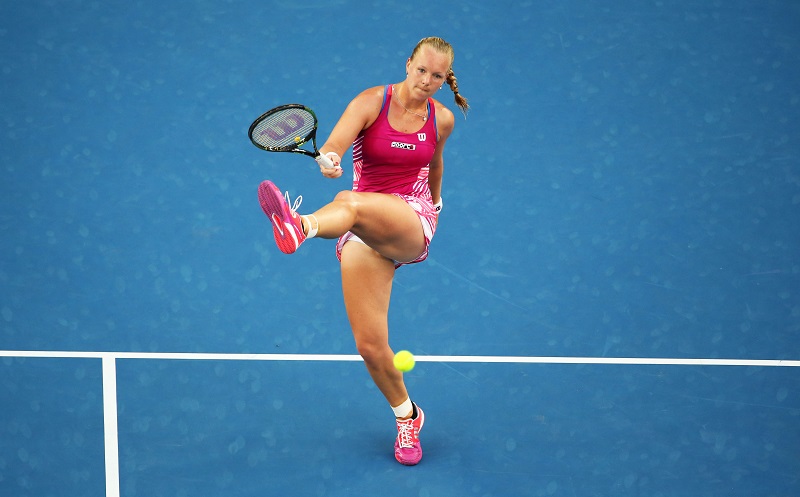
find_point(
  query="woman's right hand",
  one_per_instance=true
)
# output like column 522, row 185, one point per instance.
column 336, row 171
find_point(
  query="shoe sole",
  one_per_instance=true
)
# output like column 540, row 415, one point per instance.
column 273, row 204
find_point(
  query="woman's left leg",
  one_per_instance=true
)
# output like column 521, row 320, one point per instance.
column 384, row 222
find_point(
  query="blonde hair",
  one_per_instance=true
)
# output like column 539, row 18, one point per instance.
column 442, row 46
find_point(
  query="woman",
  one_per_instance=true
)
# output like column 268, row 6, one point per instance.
column 398, row 133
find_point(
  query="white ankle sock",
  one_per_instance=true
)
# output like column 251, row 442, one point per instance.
column 312, row 227
column 403, row 409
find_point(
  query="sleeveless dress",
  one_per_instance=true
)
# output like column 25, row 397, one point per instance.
column 389, row 161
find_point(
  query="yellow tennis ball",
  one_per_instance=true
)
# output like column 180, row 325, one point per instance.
column 297, row 139
column 404, row 361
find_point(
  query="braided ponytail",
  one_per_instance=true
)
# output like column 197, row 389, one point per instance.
column 452, row 82
column 442, row 46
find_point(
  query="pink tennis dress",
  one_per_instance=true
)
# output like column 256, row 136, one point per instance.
column 388, row 161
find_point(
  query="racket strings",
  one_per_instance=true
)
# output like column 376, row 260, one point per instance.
column 284, row 129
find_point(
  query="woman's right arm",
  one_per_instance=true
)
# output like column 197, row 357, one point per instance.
column 360, row 113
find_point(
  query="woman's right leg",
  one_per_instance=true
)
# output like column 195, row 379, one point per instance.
column 367, row 286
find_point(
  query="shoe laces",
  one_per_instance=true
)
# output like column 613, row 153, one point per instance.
column 297, row 201
column 405, row 433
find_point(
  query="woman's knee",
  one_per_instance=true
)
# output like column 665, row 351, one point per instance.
column 348, row 197
column 371, row 350
column 347, row 201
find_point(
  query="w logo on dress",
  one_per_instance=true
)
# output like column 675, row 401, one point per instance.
column 421, row 136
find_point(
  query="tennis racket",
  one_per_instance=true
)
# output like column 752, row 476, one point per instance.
column 285, row 129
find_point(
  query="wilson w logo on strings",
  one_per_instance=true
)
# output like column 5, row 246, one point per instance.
column 287, row 127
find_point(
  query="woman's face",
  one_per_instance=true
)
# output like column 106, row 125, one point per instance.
column 427, row 72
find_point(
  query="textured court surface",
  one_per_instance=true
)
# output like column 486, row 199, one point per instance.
column 627, row 185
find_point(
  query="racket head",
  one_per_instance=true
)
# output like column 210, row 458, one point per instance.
column 284, row 129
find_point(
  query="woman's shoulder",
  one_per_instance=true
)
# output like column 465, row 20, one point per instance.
column 368, row 101
column 442, row 111
column 444, row 116
column 371, row 95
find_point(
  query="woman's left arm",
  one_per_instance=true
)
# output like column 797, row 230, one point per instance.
column 445, row 121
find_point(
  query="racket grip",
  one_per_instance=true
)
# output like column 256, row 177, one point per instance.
column 324, row 161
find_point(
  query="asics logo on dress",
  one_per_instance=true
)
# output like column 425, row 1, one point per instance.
column 404, row 146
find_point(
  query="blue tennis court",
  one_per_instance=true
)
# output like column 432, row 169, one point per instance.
column 611, row 305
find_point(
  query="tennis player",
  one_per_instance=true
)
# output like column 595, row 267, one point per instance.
column 398, row 133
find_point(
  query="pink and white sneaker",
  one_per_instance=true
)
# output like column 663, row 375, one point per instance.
column 286, row 224
column 407, row 448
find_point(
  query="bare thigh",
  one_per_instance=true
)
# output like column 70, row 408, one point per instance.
column 389, row 225
column 384, row 222
column 367, row 288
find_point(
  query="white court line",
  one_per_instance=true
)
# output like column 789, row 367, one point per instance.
column 189, row 356
column 109, row 360
column 110, row 426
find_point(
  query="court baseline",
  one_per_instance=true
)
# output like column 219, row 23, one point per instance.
column 109, row 359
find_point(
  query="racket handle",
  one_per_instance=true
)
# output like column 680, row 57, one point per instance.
column 324, row 161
